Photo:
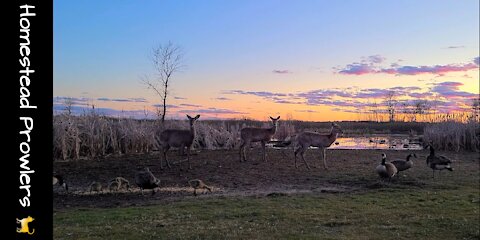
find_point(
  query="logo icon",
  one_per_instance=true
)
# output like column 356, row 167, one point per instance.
column 24, row 225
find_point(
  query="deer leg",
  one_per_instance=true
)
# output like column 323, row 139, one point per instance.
column 188, row 157
column 302, row 153
column 165, row 150
column 164, row 157
column 242, row 146
column 264, row 151
column 324, row 158
column 245, row 150
column 295, row 152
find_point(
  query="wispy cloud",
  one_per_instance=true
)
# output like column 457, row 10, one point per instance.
column 180, row 98
column 281, row 71
column 370, row 67
column 79, row 110
column 189, row 105
column 455, row 47
column 256, row 93
column 168, row 105
column 365, row 66
column 357, row 69
column 306, row 110
column 212, row 111
column 71, row 100
column 222, row 99
column 104, row 99
column 358, row 99
column 437, row 69
column 450, row 90
column 375, row 59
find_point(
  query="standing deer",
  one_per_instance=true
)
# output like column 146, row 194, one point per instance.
column 262, row 135
column 306, row 139
column 177, row 138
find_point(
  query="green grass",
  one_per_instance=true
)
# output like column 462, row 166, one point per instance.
column 412, row 206
column 377, row 214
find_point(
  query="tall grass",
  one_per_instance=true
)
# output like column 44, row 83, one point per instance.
column 454, row 136
column 91, row 135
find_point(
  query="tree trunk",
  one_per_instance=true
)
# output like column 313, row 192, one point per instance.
column 164, row 108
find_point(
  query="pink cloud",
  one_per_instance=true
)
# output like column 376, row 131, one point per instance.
column 450, row 90
column 369, row 68
column 437, row 69
column 357, row 69
column 450, row 97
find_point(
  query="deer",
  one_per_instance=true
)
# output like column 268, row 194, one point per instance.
column 263, row 135
column 177, row 138
column 306, row 139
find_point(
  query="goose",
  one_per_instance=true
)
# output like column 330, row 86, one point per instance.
column 403, row 165
column 437, row 162
column 386, row 170
column 146, row 180
column 198, row 184
column 119, row 182
column 114, row 186
column 96, row 187
column 58, row 180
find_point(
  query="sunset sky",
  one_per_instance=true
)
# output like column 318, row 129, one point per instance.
column 308, row 60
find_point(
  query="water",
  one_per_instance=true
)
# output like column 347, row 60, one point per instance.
column 395, row 142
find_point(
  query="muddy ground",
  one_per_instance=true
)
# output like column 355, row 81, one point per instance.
column 349, row 171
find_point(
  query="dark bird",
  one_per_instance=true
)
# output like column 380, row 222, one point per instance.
column 198, row 184
column 403, row 165
column 436, row 162
column 58, row 180
column 146, row 180
column 386, row 170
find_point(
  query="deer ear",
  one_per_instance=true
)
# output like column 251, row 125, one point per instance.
column 272, row 118
column 278, row 117
column 188, row 116
column 197, row 117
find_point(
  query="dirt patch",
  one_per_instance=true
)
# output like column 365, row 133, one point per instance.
column 349, row 170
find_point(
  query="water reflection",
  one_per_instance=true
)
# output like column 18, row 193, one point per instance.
column 396, row 142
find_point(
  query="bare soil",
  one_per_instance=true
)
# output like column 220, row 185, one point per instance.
column 349, row 171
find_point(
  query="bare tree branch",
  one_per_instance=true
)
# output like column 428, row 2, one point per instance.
column 167, row 59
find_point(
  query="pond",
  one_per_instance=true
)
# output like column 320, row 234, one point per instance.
column 393, row 141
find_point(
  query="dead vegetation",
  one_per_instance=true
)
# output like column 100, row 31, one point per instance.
column 91, row 135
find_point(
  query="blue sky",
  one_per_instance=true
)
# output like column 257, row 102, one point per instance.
column 102, row 49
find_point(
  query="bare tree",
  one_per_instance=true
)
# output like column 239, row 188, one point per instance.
column 476, row 109
column 167, row 59
column 391, row 103
column 68, row 105
column 421, row 107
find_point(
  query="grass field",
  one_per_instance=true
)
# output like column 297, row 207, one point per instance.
column 346, row 202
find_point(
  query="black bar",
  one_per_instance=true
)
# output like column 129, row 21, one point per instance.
column 35, row 142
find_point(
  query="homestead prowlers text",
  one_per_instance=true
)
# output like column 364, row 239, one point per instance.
column 27, row 122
